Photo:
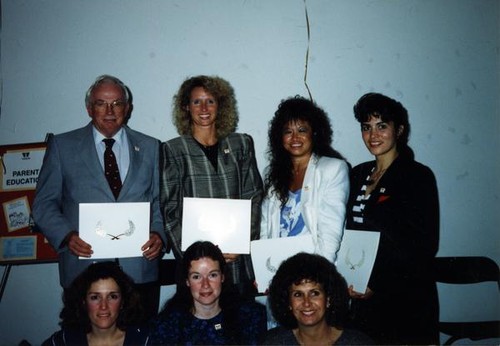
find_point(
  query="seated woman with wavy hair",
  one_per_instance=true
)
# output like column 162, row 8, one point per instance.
column 101, row 307
column 309, row 300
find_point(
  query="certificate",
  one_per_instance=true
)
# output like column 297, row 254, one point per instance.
column 114, row 230
column 224, row 222
column 356, row 257
column 267, row 255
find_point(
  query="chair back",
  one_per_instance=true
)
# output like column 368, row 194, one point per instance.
column 462, row 271
column 466, row 270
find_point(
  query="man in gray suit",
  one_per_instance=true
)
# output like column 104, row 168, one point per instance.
column 73, row 173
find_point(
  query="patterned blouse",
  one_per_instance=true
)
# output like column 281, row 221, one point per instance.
column 359, row 205
column 291, row 220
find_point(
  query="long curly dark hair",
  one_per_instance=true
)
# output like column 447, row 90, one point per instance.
column 227, row 118
column 387, row 109
column 183, row 301
column 314, row 268
column 279, row 174
column 74, row 314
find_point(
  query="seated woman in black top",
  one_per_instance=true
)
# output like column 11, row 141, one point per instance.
column 203, row 311
column 309, row 300
column 101, row 307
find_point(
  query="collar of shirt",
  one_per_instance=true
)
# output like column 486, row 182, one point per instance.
column 98, row 137
column 120, row 148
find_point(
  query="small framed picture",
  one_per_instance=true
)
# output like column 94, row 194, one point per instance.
column 17, row 213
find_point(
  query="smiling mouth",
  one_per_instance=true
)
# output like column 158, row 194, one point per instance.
column 308, row 313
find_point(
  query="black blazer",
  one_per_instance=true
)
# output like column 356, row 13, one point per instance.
column 404, row 207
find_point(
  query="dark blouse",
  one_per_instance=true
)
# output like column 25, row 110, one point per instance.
column 134, row 336
column 182, row 328
column 282, row 336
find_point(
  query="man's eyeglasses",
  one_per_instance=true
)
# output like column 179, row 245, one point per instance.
column 102, row 105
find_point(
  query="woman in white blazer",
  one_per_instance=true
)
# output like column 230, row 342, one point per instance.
column 307, row 181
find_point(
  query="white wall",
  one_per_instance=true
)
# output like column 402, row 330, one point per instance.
column 440, row 58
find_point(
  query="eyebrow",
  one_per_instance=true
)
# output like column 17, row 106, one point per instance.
column 378, row 122
column 210, row 272
column 202, row 98
column 96, row 292
column 296, row 124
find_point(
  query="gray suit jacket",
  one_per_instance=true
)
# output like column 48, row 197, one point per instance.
column 71, row 174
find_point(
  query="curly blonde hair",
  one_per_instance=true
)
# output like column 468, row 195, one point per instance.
column 227, row 111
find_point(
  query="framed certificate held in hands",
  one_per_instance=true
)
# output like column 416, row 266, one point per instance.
column 267, row 255
column 356, row 257
column 224, row 222
column 114, row 230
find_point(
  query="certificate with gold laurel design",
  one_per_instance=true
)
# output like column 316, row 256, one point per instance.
column 114, row 230
column 267, row 255
column 356, row 257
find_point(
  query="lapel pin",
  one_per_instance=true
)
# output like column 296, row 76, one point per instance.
column 136, row 148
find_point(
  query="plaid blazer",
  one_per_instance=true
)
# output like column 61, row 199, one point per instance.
column 187, row 172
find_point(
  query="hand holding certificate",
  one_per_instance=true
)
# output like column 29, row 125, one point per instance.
column 356, row 257
column 114, row 230
column 267, row 255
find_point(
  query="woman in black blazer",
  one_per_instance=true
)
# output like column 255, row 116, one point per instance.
column 396, row 196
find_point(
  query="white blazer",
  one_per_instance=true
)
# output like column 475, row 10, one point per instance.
column 324, row 196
